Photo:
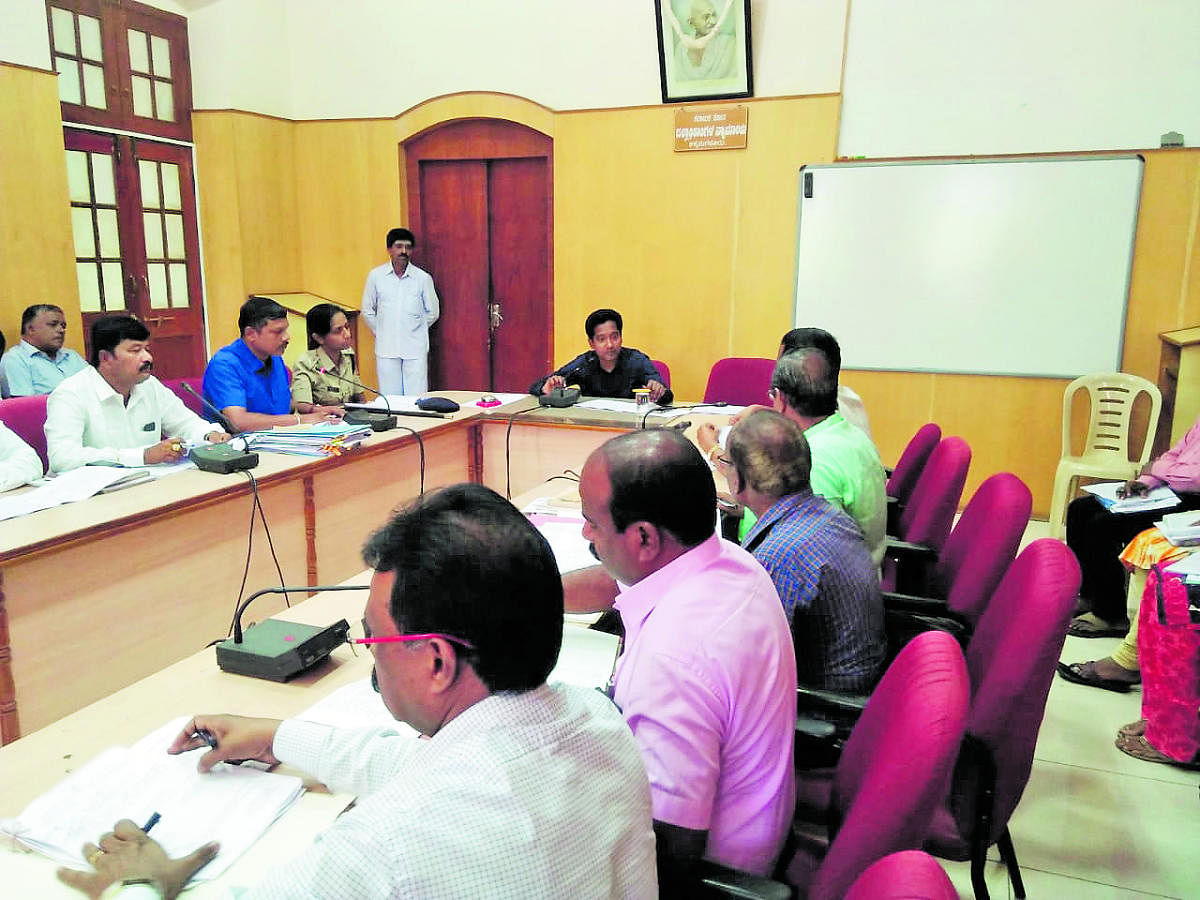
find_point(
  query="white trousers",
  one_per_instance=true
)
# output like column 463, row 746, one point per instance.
column 403, row 377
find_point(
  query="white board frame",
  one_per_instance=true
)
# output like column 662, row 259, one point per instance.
column 1041, row 247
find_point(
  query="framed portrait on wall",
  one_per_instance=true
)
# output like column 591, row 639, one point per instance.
column 704, row 49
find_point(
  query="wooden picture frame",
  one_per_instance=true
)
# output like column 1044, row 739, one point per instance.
column 704, row 49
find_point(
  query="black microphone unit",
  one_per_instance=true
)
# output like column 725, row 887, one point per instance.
column 278, row 650
column 220, row 458
column 377, row 421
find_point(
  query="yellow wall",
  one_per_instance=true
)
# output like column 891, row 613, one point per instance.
column 697, row 250
column 37, row 255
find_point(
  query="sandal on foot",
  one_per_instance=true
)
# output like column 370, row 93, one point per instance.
column 1133, row 729
column 1089, row 625
column 1085, row 673
column 1139, row 748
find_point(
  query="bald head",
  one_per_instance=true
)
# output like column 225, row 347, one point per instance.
column 807, row 382
column 659, row 476
column 770, row 454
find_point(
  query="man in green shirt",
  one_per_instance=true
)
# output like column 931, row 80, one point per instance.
column 846, row 469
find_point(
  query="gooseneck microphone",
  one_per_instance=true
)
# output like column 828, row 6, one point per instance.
column 218, row 416
column 385, row 423
column 237, row 616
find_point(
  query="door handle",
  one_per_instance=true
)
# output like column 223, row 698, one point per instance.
column 495, row 316
column 157, row 321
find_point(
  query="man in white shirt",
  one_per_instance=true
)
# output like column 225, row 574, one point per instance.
column 515, row 788
column 117, row 412
column 19, row 463
column 39, row 363
column 399, row 304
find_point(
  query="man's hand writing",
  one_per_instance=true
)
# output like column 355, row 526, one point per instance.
column 1133, row 488
column 126, row 854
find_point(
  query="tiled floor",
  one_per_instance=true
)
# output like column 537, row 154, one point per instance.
column 1093, row 823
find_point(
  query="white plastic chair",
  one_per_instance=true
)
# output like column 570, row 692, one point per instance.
column 1106, row 450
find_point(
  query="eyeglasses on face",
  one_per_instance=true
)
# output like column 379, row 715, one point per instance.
column 406, row 638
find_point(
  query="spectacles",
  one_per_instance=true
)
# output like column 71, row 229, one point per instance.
column 772, row 394
column 724, row 461
column 406, row 638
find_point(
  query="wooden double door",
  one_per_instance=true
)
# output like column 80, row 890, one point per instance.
column 480, row 194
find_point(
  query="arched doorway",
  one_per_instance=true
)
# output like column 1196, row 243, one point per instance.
column 480, row 202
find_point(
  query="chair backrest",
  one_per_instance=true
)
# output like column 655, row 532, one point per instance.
column 192, row 403
column 907, row 875
column 983, row 544
column 1112, row 396
column 896, row 764
column 927, row 517
column 664, row 370
column 1011, row 661
column 26, row 418
column 739, row 380
column 912, row 461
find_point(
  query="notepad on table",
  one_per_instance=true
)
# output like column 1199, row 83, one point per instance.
column 1161, row 497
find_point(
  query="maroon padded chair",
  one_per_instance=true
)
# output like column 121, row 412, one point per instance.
column 26, row 418
column 739, row 380
column 977, row 553
column 1011, row 659
column 192, row 403
column 907, row 875
column 903, row 478
column 664, row 370
column 893, row 771
column 925, row 521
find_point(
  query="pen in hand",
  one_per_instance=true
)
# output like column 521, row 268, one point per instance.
column 151, row 822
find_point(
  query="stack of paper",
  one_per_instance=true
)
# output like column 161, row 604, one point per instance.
column 231, row 804
column 69, row 487
column 1182, row 529
column 321, row 439
column 1158, row 498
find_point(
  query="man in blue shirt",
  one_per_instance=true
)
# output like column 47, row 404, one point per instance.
column 247, row 380
column 39, row 363
column 814, row 552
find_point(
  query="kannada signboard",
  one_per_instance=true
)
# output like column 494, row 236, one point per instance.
column 711, row 128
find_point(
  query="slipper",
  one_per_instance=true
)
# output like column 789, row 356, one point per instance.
column 1085, row 673
column 1139, row 748
column 1133, row 729
column 1089, row 626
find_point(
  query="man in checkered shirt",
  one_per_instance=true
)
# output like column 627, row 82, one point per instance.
column 521, row 789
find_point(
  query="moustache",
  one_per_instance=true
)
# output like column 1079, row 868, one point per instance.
column 146, row 367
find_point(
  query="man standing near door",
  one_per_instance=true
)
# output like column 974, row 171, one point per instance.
column 399, row 304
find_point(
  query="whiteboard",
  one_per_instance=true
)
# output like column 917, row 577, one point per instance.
column 1012, row 267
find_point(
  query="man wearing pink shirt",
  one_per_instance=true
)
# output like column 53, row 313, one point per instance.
column 1098, row 536
column 707, row 675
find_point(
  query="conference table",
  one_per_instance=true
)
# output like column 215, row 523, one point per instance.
column 32, row 765
column 98, row 594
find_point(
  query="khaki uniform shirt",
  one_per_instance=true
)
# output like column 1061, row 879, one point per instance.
column 310, row 385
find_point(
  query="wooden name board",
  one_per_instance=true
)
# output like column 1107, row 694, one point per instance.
column 711, row 128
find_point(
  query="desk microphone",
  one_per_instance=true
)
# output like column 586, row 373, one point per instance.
column 278, row 650
column 218, row 416
column 377, row 421
column 220, row 458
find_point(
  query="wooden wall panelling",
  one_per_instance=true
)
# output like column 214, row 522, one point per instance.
column 37, row 255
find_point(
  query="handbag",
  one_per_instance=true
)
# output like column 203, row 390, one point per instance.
column 1169, row 655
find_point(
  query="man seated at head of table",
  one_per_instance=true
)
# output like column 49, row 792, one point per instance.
column 248, row 381
column 707, row 676
column 814, row 553
column 325, row 375
column 40, row 362
column 115, row 411
column 19, row 463
column 608, row 369
column 522, row 789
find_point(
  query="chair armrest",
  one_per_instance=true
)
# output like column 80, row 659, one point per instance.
column 894, row 509
column 888, row 471
column 816, row 700
column 898, row 549
column 902, row 626
column 914, row 566
column 716, row 880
